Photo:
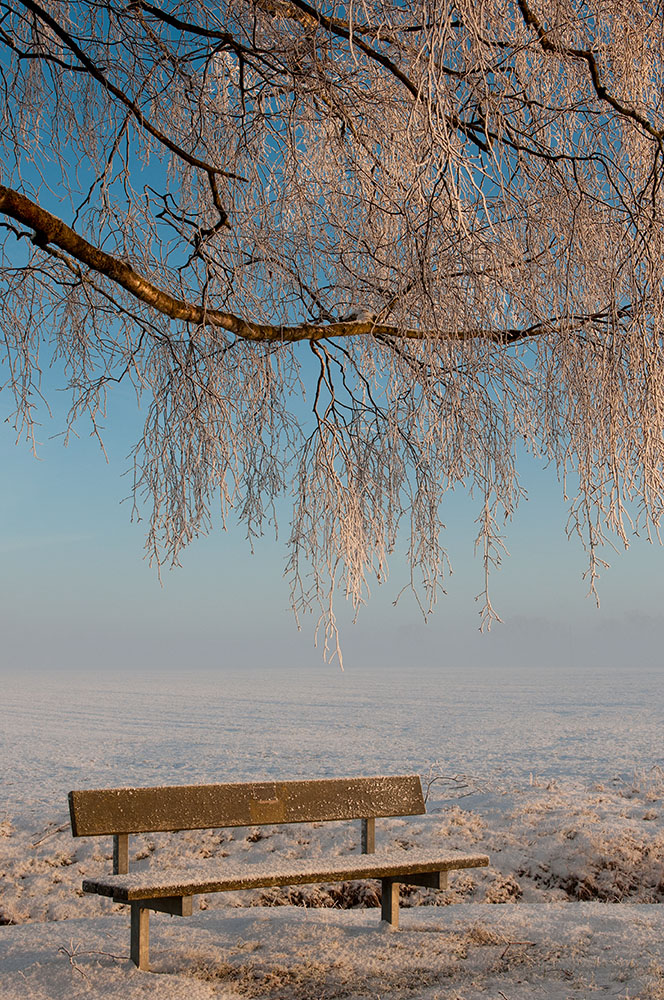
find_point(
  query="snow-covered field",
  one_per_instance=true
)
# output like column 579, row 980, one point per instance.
column 559, row 778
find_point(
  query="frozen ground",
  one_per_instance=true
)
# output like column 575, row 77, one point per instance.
column 559, row 779
column 465, row 952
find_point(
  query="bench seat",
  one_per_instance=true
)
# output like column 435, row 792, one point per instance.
column 401, row 866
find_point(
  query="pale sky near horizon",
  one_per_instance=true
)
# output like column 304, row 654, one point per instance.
column 77, row 592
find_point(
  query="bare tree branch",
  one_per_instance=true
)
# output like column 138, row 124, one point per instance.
column 462, row 214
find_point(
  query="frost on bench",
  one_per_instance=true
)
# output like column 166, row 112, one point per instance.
column 122, row 811
column 226, row 877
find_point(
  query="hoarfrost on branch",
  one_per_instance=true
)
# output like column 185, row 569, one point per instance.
column 356, row 254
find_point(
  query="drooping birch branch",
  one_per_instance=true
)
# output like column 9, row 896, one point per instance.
column 463, row 215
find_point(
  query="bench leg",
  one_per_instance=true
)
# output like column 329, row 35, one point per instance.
column 140, row 936
column 389, row 906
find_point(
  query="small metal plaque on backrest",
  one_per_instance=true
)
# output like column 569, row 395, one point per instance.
column 267, row 810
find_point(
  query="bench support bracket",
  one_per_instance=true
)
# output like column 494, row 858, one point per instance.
column 120, row 853
column 389, row 906
column 430, row 880
column 368, row 835
column 179, row 906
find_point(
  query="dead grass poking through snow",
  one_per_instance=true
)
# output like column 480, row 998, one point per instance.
column 654, row 983
column 309, row 979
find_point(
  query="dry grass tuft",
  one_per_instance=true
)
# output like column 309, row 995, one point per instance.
column 503, row 889
column 310, row 979
column 340, row 896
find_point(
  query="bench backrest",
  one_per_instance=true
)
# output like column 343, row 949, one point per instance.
column 197, row 807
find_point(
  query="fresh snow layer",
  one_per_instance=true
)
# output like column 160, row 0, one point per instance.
column 59, row 732
column 206, row 877
column 558, row 779
column 464, row 952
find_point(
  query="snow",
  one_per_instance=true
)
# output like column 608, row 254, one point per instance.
column 556, row 950
column 558, row 780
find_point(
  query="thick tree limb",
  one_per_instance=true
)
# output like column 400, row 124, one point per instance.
column 49, row 229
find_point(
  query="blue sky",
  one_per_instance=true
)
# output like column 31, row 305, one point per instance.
column 77, row 591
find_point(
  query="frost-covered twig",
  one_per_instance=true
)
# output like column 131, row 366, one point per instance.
column 71, row 955
column 459, row 785
column 510, row 944
column 49, row 831
column 76, row 951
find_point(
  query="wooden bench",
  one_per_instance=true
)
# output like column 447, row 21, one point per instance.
column 123, row 811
